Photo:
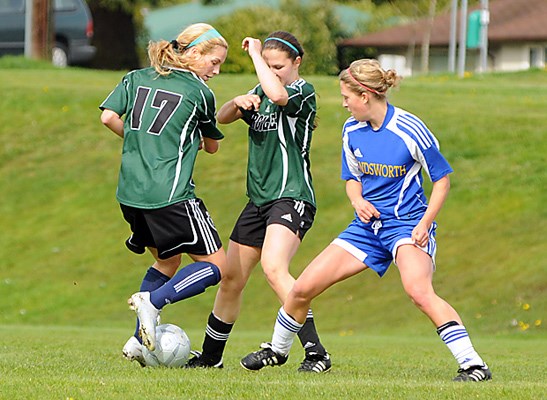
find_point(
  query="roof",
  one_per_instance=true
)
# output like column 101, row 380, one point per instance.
column 510, row 21
column 166, row 23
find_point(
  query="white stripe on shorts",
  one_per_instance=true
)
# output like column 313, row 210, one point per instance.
column 204, row 228
column 354, row 251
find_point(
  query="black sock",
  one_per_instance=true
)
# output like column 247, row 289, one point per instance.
column 216, row 336
column 309, row 337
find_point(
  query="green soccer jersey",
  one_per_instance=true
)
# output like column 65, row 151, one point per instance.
column 165, row 118
column 279, row 146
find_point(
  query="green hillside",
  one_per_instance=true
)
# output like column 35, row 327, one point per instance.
column 63, row 261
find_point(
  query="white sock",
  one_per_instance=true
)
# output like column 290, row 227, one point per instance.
column 285, row 331
column 457, row 340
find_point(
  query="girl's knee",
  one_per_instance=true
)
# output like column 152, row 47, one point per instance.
column 169, row 266
column 302, row 292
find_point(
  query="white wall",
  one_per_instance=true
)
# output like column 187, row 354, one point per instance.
column 504, row 58
column 512, row 58
column 396, row 62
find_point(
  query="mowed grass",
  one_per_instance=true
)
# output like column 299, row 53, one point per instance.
column 65, row 274
column 84, row 363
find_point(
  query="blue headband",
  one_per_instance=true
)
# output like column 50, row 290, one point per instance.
column 284, row 42
column 207, row 35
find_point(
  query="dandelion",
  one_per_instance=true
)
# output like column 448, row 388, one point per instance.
column 537, row 323
column 523, row 326
column 526, row 306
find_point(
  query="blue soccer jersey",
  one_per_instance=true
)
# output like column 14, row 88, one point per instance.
column 388, row 162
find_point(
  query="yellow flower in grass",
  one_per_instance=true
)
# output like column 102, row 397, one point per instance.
column 526, row 306
column 523, row 326
column 537, row 323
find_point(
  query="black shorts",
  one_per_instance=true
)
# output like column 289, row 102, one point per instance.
column 184, row 227
column 250, row 228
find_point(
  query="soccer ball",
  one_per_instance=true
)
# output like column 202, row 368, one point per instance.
column 172, row 348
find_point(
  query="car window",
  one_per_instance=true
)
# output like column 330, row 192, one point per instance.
column 11, row 5
column 64, row 5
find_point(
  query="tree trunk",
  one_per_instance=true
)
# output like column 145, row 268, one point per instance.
column 114, row 37
column 427, row 36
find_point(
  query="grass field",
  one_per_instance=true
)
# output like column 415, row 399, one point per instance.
column 84, row 363
column 65, row 274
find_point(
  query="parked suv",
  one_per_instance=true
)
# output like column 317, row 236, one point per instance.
column 73, row 30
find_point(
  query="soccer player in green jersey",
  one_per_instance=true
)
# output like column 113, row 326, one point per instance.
column 169, row 115
column 280, row 112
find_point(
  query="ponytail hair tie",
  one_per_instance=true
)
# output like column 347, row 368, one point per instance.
column 175, row 44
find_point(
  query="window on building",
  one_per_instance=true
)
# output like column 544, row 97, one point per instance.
column 537, row 57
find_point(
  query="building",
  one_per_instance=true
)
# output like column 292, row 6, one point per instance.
column 517, row 40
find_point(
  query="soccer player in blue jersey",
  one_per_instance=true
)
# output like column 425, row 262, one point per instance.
column 280, row 112
column 384, row 151
column 169, row 115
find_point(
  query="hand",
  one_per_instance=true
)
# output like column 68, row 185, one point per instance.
column 247, row 102
column 252, row 46
column 420, row 235
column 365, row 210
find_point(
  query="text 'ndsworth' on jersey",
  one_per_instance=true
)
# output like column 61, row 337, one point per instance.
column 278, row 163
column 165, row 117
column 388, row 162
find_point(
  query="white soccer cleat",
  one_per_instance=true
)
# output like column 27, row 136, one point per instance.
column 148, row 318
column 132, row 351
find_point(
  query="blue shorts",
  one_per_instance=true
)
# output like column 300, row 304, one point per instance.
column 376, row 243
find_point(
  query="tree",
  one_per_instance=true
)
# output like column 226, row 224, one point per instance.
column 427, row 36
column 315, row 26
column 116, row 30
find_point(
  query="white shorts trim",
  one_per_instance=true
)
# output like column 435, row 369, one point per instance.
column 354, row 251
column 404, row 241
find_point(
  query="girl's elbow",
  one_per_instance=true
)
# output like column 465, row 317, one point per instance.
column 108, row 117
column 281, row 99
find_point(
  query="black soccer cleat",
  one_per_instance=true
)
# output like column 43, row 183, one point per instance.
column 475, row 373
column 315, row 362
column 262, row 358
column 199, row 362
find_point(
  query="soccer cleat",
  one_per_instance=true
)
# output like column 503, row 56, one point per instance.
column 315, row 362
column 148, row 318
column 132, row 351
column 198, row 362
column 263, row 358
column 475, row 373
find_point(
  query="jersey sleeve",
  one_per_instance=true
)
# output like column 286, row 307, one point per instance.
column 437, row 166
column 350, row 165
column 208, row 123
column 118, row 98
column 424, row 147
column 301, row 98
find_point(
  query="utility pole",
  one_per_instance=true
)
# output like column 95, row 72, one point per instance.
column 452, row 38
column 485, row 20
column 29, row 5
column 463, row 39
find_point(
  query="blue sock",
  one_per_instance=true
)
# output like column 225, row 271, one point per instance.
column 152, row 280
column 187, row 282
